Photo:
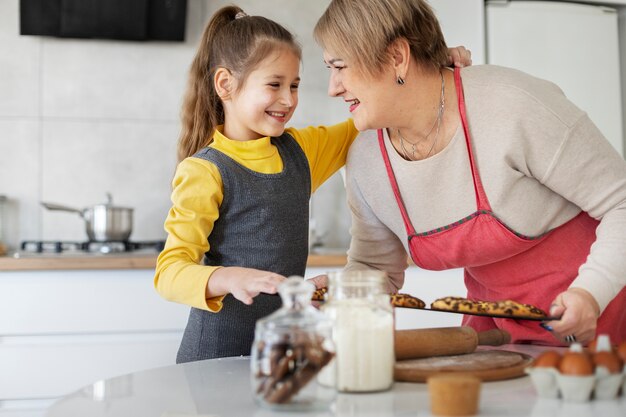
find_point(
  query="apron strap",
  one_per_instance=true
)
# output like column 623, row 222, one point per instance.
column 482, row 203
column 394, row 185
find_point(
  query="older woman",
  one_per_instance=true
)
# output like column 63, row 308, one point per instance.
column 485, row 168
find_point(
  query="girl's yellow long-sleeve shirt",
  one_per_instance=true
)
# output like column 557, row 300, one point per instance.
column 198, row 193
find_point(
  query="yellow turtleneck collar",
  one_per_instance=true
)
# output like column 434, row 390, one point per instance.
column 258, row 155
column 261, row 148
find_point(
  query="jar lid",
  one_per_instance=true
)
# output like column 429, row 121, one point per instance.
column 357, row 284
column 297, row 311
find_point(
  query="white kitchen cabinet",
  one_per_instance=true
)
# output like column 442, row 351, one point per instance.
column 62, row 330
column 84, row 301
column 52, row 366
column 27, row 409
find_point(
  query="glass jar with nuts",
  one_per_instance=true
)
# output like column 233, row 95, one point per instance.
column 291, row 346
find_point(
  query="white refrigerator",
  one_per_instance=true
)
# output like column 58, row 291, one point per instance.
column 573, row 45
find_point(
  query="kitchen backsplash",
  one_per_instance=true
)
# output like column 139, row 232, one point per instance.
column 80, row 118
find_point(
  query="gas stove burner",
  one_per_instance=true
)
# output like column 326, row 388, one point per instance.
column 45, row 246
column 108, row 247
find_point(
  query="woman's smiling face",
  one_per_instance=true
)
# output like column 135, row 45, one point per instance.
column 267, row 99
column 370, row 98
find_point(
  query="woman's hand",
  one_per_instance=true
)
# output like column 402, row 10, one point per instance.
column 459, row 57
column 579, row 313
column 243, row 283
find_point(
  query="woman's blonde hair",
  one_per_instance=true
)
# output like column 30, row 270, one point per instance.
column 360, row 32
column 231, row 40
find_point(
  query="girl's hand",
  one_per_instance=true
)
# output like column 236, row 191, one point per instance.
column 459, row 57
column 579, row 313
column 319, row 281
column 243, row 283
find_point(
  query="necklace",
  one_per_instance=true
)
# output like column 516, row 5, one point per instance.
column 410, row 155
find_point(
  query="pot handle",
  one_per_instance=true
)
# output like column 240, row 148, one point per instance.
column 59, row 207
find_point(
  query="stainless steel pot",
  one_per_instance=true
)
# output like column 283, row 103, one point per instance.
column 103, row 222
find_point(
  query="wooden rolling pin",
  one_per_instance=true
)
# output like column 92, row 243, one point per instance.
column 423, row 343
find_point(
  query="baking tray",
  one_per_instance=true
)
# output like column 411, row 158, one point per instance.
column 501, row 316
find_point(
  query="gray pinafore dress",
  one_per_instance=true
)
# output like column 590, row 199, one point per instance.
column 262, row 224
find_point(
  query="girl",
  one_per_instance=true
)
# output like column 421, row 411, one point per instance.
column 241, row 191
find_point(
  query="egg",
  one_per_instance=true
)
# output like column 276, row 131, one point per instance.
column 592, row 346
column 602, row 342
column 576, row 363
column 609, row 360
column 621, row 351
column 548, row 359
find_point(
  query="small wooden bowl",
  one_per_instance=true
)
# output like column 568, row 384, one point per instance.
column 454, row 394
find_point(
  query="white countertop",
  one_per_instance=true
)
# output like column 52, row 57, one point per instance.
column 221, row 387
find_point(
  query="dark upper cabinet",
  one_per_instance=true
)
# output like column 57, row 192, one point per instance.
column 137, row 20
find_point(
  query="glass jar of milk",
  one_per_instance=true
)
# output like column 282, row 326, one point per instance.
column 290, row 348
column 363, row 332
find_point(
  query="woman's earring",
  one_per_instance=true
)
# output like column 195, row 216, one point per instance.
column 400, row 80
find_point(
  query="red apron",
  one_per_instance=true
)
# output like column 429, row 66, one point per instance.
column 502, row 264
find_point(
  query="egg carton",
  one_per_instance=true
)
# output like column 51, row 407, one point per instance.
column 602, row 385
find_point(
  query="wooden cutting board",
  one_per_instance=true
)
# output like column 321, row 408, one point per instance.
column 488, row 365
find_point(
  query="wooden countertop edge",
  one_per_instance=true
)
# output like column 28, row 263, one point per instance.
column 122, row 262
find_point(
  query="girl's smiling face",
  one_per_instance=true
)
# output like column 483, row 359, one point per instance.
column 266, row 100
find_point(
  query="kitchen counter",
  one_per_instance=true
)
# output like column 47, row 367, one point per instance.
column 131, row 260
column 221, row 387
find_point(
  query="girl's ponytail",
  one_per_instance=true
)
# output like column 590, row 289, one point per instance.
column 202, row 109
column 231, row 40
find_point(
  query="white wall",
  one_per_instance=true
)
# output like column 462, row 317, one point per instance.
column 79, row 118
